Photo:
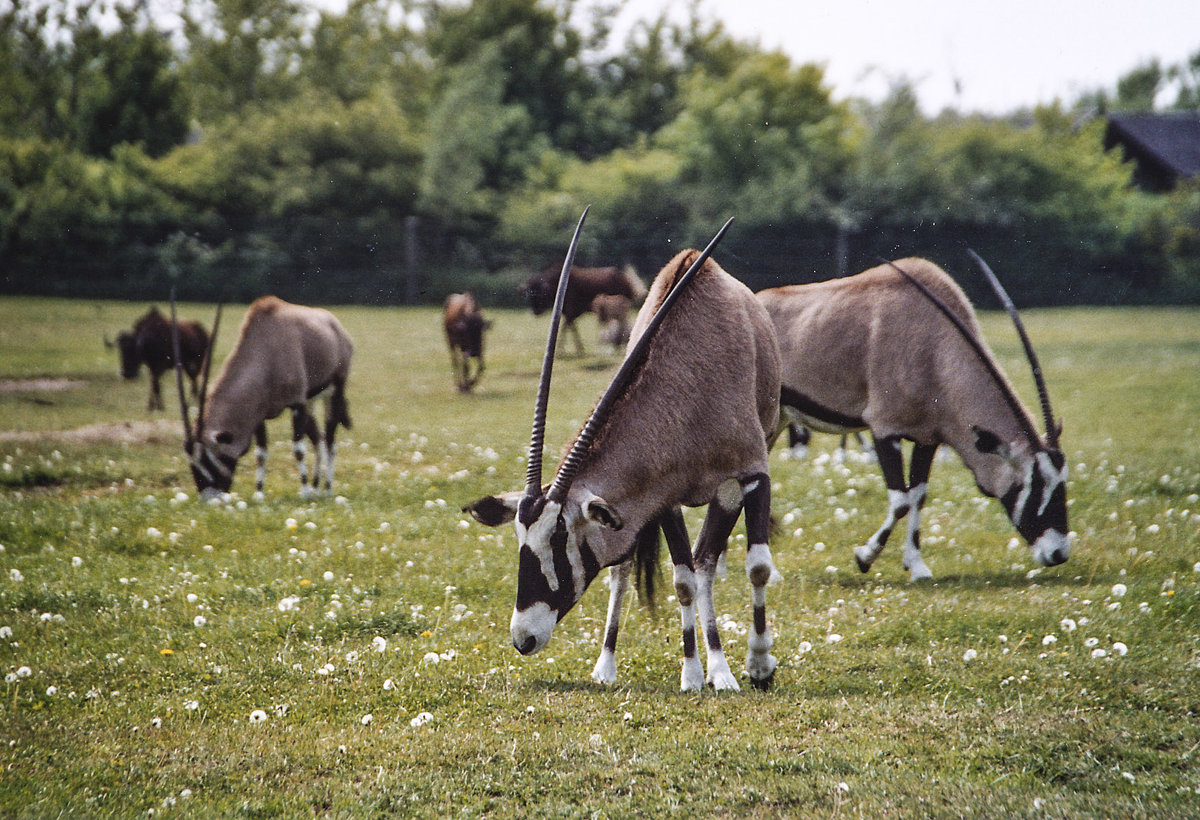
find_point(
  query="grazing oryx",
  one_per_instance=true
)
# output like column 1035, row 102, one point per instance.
column 684, row 422
column 584, row 286
column 285, row 356
column 149, row 343
column 612, row 312
column 464, row 325
column 897, row 350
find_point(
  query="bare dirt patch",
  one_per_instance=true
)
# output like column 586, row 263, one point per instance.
column 127, row 432
column 40, row 385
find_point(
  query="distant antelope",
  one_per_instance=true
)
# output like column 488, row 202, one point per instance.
column 612, row 312
column 285, row 356
column 150, row 343
column 684, row 422
column 464, row 325
column 897, row 350
column 585, row 284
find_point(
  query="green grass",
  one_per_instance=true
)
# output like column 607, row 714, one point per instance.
column 132, row 704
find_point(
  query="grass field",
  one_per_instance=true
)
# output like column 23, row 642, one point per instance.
column 350, row 657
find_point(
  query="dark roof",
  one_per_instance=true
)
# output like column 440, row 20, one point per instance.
column 1166, row 147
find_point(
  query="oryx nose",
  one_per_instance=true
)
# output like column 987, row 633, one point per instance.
column 1057, row 557
column 526, row 646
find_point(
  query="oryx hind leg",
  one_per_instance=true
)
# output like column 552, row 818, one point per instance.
column 760, row 570
column 336, row 412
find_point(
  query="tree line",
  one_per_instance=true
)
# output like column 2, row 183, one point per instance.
column 404, row 149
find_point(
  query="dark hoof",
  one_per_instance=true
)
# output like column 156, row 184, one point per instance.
column 863, row 566
column 763, row 684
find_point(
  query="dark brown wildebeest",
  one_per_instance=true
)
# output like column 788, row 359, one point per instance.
column 612, row 312
column 464, row 325
column 149, row 343
column 583, row 286
column 285, row 356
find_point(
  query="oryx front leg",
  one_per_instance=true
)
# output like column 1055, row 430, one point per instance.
column 714, row 537
column 691, row 675
column 891, row 461
column 260, row 459
column 605, row 670
column 302, row 426
column 760, row 569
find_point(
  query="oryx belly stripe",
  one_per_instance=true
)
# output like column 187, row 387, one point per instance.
column 817, row 416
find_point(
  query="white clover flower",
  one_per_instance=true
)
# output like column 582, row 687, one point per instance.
column 288, row 604
column 833, row 637
column 51, row 691
column 328, row 576
column 15, row 575
column 388, row 685
column 5, row 632
column 199, row 621
column 1090, row 642
column 76, row 561
column 379, row 644
column 1143, row 607
column 420, row 720
column 431, row 657
column 366, row 719
column 153, row 532
column 1119, row 649
column 1049, row 639
column 1119, row 590
column 1099, row 653
column 192, row 597
column 191, row 705
column 970, row 655
column 803, row 647
column 258, row 716
column 1067, row 624
column 352, row 656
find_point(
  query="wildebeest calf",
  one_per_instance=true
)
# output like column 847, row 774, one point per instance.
column 464, row 325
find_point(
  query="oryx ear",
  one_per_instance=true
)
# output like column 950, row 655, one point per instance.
column 602, row 513
column 494, row 510
column 988, row 442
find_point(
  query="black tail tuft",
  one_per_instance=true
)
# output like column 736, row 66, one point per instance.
column 647, row 547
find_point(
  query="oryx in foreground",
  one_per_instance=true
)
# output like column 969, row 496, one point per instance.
column 463, row 322
column 285, row 356
column 150, row 343
column 684, row 422
column 897, row 350
column 585, row 284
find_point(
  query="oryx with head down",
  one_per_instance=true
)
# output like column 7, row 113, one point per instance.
column 285, row 356
column 684, row 422
column 897, row 350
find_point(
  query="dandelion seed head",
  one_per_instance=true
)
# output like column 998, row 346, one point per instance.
column 258, row 716
column 420, row 720
column 970, row 655
column 1119, row 590
column 1049, row 639
column 1119, row 649
column 366, row 719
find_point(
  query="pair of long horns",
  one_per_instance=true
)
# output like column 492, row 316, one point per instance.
column 1001, row 383
column 574, row 461
column 189, row 434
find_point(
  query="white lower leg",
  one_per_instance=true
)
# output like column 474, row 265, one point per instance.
column 719, row 674
column 260, row 468
column 760, row 569
column 898, row 505
column 913, row 562
column 691, row 676
column 605, row 670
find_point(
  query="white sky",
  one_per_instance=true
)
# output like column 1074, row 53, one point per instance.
column 1004, row 54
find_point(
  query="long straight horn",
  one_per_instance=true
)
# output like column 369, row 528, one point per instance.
column 537, row 438
column 1002, row 385
column 574, row 460
column 208, row 354
column 175, row 350
column 1038, row 380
